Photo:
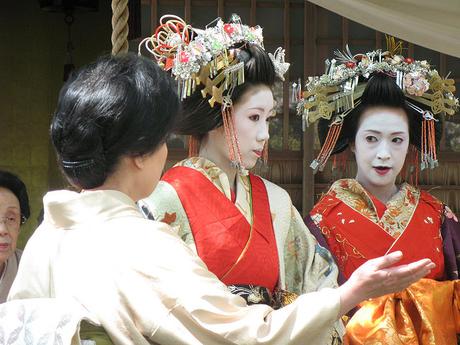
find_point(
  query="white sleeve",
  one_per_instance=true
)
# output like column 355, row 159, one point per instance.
column 198, row 308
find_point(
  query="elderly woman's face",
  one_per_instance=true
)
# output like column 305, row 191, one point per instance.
column 10, row 221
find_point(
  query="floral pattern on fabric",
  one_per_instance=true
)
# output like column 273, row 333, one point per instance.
column 399, row 210
column 45, row 321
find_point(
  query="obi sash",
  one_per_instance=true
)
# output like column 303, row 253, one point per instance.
column 354, row 238
column 235, row 251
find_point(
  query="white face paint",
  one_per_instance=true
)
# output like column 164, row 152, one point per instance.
column 380, row 147
column 252, row 114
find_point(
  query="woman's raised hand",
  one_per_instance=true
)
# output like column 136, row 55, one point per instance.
column 378, row 277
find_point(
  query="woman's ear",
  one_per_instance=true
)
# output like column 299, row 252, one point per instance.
column 138, row 161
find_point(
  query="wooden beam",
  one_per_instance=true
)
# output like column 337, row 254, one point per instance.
column 286, row 44
column 252, row 14
column 309, row 69
column 410, row 50
column 221, row 9
column 188, row 11
column 153, row 15
column 321, row 41
column 345, row 30
column 234, row 3
column 378, row 40
column 442, row 64
column 443, row 72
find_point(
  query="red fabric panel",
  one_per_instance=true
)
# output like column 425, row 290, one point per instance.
column 221, row 231
column 349, row 241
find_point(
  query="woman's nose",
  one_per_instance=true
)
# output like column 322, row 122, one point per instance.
column 3, row 228
column 383, row 152
column 263, row 133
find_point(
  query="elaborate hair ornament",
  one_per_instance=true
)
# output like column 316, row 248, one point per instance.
column 336, row 93
column 209, row 58
column 278, row 60
column 206, row 57
column 196, row 56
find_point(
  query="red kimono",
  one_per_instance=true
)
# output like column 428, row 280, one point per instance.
column 357, row 227
column 237, row 252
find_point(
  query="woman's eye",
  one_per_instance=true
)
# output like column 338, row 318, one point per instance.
column 397, row 140
column 371, row 139
column 254, row 117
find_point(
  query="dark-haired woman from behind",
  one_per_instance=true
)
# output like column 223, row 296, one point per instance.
column 14, row 211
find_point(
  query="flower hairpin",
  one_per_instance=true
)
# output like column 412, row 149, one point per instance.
column 333, row 95
column 279, row 62
column 206, row 56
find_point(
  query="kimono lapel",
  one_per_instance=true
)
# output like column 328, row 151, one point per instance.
column 8, row 275
column 220, row 230
column 399, row 212
column 348, row 220
column 223, row 236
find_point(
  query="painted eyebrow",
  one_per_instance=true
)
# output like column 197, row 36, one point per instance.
column 378, row 132
column 261, row 109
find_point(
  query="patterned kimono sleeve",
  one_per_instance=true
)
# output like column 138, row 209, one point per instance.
column 309, row 266
column 166, row 207
column 450, row 232
column 315, row 230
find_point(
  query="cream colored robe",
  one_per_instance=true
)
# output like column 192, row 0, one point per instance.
column 137, row 279
column 304, row 265
column 9, row 273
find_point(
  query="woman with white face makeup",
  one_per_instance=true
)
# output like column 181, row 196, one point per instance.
column 242, row 226
column 370, row 215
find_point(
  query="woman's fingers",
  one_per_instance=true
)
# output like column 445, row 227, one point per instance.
column 380, row 276
column 405, row 275
column 387, row 260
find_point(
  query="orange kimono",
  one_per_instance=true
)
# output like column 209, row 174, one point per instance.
column 357, row 227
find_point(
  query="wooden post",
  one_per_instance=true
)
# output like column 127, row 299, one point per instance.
column 286, row 43
column 252, row 15
column 221, row 9
column 153, row 15
column 344, row 32
column 188, row 11
column 309, row 63
column 378, row 40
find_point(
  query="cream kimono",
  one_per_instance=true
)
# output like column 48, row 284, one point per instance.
column 138, row 280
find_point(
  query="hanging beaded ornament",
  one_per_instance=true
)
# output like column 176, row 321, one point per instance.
column 207, row 57
column 337, row 92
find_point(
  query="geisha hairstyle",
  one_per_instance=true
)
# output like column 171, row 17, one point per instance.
column 198, row 117
column 381, row 91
